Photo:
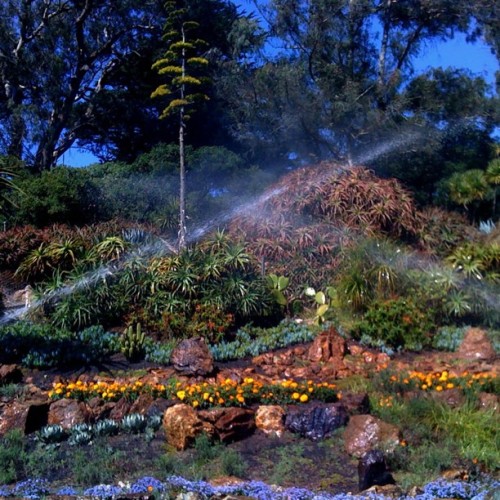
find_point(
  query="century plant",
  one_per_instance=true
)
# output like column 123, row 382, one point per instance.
column 180, row 64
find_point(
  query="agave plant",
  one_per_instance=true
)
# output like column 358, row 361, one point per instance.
column 106, row 427
column 51, row 434
column 134, row 423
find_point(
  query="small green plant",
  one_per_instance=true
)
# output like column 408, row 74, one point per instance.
column 232, row 463
column 277, row 285
column 134, row 423
column 12, row 456
column 106, row 427
column 80, row 438
column 133, row 343
column 51, row 434
column 323, row 301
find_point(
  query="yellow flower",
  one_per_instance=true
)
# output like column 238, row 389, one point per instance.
column 450, row 385
column 439, row 388
column 206, row 395
column 240, row 398
column 58, row 390
column 424, row 387
column 304, row 398
column 195, row 404
column 181, row 394
column 295, row 395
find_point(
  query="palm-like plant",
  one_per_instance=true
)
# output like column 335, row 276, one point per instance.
column 493, row 178
column 467, row 187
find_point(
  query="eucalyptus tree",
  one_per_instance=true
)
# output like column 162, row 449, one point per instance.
column 181, row 65
column 55, row 60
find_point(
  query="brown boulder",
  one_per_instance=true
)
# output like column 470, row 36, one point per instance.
column 10, row 374
column 99, row 408
column 120, row 409
column 230, row 424
column 68, row 412
column 365, row 432
column 270, row 419
column 182, row 425
column 193, row 357
column 476, row 345
column 28, row 416
column 328, row 346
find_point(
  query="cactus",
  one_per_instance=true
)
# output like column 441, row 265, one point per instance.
column 278, row 284
column 323, row 301
column 133, row 343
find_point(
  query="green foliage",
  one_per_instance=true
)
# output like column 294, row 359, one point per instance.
column 134, row 423
column 52, row 434
column 12, row 456
column 96, row 464
column 42, row 346
column 449, row 338
column 323, row 302
column 132, row 343
column 232, row 463
column 252, row 341
column 62, row 195
column 278, row 284
column 398, row 323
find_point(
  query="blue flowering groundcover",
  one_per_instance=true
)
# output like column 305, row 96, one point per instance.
column 38, row 488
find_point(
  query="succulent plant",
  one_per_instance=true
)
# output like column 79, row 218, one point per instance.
column 81, row 428
column 154, row 422
column 51, row 434
column 80, row 438
column 133, row 343
column 134, row 423
column 106, row 427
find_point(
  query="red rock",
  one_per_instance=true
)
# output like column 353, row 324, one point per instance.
column 328, row 346
column 476, row 345
column 28, row 416
column 142, row 404
column 234, row 424
column 10, row 374
column 120, row 409
column 270, row 419
column 193, row 357
column 366, row 432
column 69, row 412
column 100, row 409
column 182, row 425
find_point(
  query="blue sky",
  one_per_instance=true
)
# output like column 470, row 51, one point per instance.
column 457, row 53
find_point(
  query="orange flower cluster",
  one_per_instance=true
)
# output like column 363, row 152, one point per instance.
column 204, row 394
column 444, row 380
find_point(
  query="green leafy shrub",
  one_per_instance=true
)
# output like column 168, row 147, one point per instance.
column 398, row 323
